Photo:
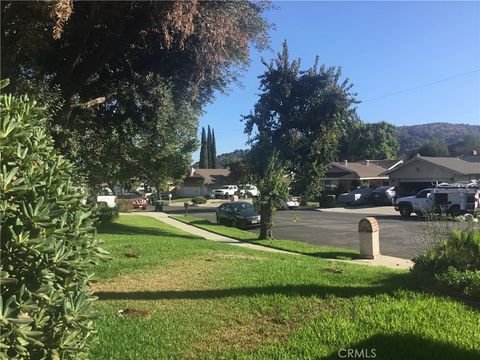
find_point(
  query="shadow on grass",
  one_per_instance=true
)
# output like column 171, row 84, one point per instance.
column 400, row 347
column 338, row 255
column 122, row 229
column 387, row 285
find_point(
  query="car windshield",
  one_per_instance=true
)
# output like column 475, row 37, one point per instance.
column 225, row 187
column 242, row 207
column 382, row 188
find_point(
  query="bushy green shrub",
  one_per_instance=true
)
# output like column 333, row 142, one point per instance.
column 47, row 243
column 460, row 249
column 105, row 214
column 452, row 264
column 124, row 206
column 199, row 200
column 464, row 282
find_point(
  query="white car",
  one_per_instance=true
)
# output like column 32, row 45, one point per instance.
column 225, row 191
column 110, row 200
column 249, row 190
column 290, row 203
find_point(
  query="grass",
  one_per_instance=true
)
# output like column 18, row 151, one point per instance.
column 208, row 300
column 288, row 245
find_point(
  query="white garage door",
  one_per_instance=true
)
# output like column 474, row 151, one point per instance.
column 191, row 191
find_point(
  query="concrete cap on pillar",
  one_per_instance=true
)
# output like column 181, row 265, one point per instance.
column 368, row 224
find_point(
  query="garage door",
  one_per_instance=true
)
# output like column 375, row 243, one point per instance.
column 191, row 191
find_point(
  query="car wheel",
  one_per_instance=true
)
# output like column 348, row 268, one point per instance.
column 405, row 210
column 454, row 211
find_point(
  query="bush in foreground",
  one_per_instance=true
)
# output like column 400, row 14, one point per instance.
column 47, row 245
column 453, row 263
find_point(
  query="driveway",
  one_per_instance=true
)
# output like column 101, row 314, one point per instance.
column 326, row 228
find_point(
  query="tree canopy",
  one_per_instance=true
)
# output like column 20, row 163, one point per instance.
column 127, row 80
column 368, row 141
column 302, row 114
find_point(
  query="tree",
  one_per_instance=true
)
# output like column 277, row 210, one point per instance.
column 238, row 171
column 203, row 151
column 368, row 141
column 432, row 148
column 209, row 147
column 466, row 145
column 302, row 114
column 213, row 152
column 270, row 176
column 100, row 59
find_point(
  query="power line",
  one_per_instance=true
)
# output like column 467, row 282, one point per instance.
column 421, row 86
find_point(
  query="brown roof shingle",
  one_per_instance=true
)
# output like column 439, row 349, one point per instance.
column 212, row 176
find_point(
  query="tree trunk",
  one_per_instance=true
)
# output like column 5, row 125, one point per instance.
column 266, row 224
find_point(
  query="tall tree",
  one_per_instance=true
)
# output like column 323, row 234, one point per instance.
column 213, row 152
column 301, row 114
column 203, row 151
column 209, row 147
column 87, row 61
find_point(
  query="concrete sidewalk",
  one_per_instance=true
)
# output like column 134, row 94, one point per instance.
column 387, row 261
column 364, row 210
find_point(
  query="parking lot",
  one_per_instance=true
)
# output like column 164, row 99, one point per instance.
column 338, row 227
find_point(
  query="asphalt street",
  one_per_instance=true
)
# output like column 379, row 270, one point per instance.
column 398, row 236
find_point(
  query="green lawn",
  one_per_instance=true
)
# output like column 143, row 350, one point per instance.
column 293, row 246
column 211, row 300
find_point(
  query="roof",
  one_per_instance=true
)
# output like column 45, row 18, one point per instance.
column 454, row 164
column 362, row 169
column 210, row 176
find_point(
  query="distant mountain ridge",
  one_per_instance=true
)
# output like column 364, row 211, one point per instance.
column 411, row 137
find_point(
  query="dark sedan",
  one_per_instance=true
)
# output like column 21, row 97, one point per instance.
column 240, row 214
column 383, row 195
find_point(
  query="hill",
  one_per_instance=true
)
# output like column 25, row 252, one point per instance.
column 413, row 136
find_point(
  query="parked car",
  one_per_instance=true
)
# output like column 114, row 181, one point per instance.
column 239, row 214
column 248, row 190
column 384, row 195
column 290, row 203
column 453, row 199
column 109, row 200
column 137, row 200
column 356, row 197
column 225, row 191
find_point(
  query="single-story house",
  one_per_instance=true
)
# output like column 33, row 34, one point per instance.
column 347, row 175
column 421, row 172
column 203, row 181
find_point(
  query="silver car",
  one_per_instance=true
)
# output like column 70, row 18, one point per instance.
column 356, row 197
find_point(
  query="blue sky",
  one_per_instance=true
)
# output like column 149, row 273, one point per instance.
column 432, row 48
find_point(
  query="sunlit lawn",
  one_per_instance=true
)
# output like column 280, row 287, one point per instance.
column 209, row 300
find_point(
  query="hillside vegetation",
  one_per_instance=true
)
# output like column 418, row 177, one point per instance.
column 414, row 136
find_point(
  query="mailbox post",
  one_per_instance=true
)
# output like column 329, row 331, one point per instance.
column 368, row 235
column 185, row 204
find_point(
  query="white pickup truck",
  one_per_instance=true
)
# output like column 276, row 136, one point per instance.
column 225, row 191
column 450, row 199
column 110, row 200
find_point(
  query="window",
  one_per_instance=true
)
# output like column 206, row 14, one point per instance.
column 423, row 194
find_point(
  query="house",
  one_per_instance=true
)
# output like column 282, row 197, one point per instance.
column 346, row 175
column 203, row 181
column 421, row 172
